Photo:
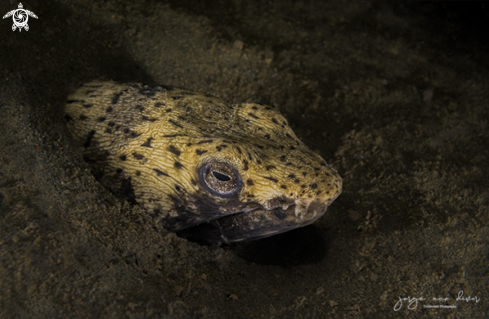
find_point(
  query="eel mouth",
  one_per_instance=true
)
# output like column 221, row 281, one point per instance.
column 255, row 224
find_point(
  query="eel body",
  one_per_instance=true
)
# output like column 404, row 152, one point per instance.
column 219, row 172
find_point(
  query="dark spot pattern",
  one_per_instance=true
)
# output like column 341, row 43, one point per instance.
column 271, row 179
column 175, row 123
column 149, row 119
column 174, row 150
column 116, row 97
column 89, row 138
column 178, row 165
column 159, row 172
column 204, row 142
column 253, row 116
column 200, row 152
column 148, row 142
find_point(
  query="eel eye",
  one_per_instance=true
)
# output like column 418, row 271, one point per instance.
column 220, row 178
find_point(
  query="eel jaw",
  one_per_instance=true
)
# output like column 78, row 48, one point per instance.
column 255, row 224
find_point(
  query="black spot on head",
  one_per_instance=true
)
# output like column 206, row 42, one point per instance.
column 269, row 167
column 304, row 174
column 239, row 150
column 89, row 139
column 109, row 109
column 218, row 148
column 174, row 150
column 259, row 146
column 292, row 147
column 254, row 108
column 291, row 176
column 68, row 118
column 274, row 120
column 118, row 171
column 249, row 182
column 200, row 152
column 193, row 181
column 138, row 156
column 318, row 192
column 123, row 157
column 73, row 101
column 313, row 185
column 178, row 165
column 149, row 119
column 134, row 134
column 173, row 135
column 101, row 119
column 138, row 173
column 253, row 116
column 283, row 186
column 148, row 142
column 249, row 156
column 282, row 158
column 267, row 136
column 175, row 123
column 297, row 181
column 87, row 105
column 245, row 165
column 111, row 123
column 204, row 142
column 271, row 179
column 83, row 117
column 159, row 104
column 108, row 131
column 126, row 130
column 160, row 173
column 168, row 110
column 116, row 97
column 178, row 188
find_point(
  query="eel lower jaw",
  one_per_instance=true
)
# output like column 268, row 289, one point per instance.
column 254, row 224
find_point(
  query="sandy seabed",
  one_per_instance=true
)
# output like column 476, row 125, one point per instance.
column 400, row 110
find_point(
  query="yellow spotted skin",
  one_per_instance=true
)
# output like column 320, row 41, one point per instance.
column 189, row 158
